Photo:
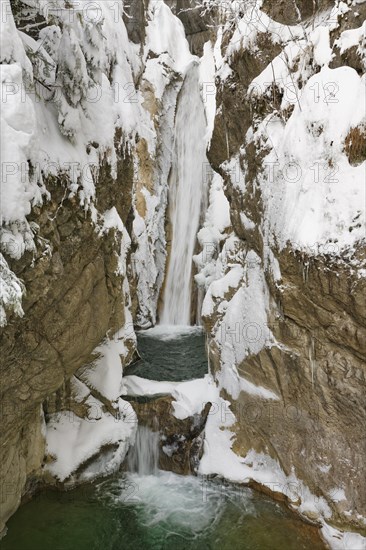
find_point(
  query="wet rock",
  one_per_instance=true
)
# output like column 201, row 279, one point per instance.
column 292, row 12
column 181, row 441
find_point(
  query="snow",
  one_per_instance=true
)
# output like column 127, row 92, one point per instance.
column 340, row 540
column 161, row 82
column 258, row 391
column 18, row 146
column 322, row 50
column 11, row 292
column 191, row 397
column 218, row 212
column 223, row 69
column 165, row 33
column 157, row 74
column 72, row 440
column 218, row 456
column 304, row 186
column 253, row 22
column 208, row 88
column 307, row 170
column 325, row 468
column 230, row 280
column 135, row 385
column 352, row 37
column 247, row 223
column 79, row 391
column 337, row 494
column 11, row 47
column 242, row 327
column 271, row 263
column 213, row 232
column 220, row 287
column 280, row 72
column 144, row 265
column 105, row 374
column 111, row 219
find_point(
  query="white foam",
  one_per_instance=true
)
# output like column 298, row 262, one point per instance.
column 171, row 332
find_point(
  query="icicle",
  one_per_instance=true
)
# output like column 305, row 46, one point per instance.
column 312, row 359
column 305, row 271
column 208, row 353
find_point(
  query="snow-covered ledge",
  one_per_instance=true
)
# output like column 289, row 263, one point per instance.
column 92, row 438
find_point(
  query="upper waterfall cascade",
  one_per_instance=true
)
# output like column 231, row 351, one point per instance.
column 187, row 187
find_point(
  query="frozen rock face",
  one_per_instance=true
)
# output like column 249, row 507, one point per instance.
column 74, row 296
column 88, row 119
column 285, row 285
column 196, row 23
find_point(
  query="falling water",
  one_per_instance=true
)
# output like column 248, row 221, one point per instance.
column 186, row 191
column 144, row 456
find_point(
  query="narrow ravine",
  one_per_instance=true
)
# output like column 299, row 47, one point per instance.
column 183, row 275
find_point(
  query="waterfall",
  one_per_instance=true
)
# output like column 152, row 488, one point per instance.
column 143, row 457
column 187, row 185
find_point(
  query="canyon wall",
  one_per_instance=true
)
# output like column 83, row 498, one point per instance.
column 89, row 97
column 285, row 279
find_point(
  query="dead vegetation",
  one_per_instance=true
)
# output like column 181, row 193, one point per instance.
column 355, row 145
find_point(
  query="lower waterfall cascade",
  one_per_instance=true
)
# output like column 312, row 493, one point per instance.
column 143, row 457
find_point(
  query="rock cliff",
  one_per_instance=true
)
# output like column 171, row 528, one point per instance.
column 285, row 301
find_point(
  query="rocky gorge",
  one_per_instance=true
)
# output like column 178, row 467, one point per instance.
column 248, row 119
